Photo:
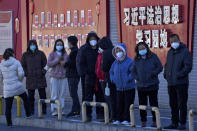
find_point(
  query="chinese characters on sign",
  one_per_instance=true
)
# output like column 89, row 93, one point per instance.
column 152, row 15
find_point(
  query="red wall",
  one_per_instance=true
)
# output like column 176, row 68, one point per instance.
column 12, row 5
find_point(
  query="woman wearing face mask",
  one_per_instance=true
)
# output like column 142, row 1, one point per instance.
column 86, row 66
column 12, row 74
column 120, row 75
column 33, row 62
column 56, row 61
column 146, row 70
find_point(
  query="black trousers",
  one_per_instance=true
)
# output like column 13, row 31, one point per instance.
column 110, row 100
column 73, row 88
column 9, row 101
column 178, row 96
column 143, row 97
column 124, row 100
column 83, row 87
column 31, row 95
column 90, row 92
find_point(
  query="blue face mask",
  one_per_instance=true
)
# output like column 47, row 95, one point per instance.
column 175, row 45
column 32, row 47
column 143, row 52
column 59, row 47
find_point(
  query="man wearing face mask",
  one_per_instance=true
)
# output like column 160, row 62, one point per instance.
column 177, row 68
column 33, row 62
column 86, row 66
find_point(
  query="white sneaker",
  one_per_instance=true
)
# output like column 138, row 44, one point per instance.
column 116, row 123
column 54, row 114
column 125, row 123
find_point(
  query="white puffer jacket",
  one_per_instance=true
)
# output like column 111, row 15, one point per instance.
column 12, row 74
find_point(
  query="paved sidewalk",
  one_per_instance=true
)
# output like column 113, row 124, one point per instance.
column 73, row 124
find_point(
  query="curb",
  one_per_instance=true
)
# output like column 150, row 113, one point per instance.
column 70, row 125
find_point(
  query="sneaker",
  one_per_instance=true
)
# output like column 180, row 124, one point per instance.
column 143, row 124
column 116, row 122
column 154, row 124
column 54, row 114
column 171, row 126
column 73, row 114
column 181, row 127
column 125, row 123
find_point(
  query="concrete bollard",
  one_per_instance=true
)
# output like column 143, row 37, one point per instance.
column 102, row 104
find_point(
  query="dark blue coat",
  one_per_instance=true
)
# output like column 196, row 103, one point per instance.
column 146, row 72
column 178, row 66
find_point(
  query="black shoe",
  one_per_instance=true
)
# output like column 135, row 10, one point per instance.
column 73, row 114
column 100, row 118
column 181, row 127
column 171, row 126
column 9, row 125
column 89, row 119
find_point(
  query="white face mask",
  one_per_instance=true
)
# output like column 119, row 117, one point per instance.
column 175, row 45
column 119, row 54
column 100, row 50
column 93, row 42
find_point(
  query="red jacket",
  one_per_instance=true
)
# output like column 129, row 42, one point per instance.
column 99, row 72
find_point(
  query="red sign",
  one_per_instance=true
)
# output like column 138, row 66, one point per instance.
column 153, row 21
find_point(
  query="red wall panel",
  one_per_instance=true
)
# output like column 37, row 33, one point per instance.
column 14, row 5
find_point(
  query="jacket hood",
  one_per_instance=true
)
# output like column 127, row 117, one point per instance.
column 91, row 34
column 105, row 43
column 8, row 62
column 123, row 47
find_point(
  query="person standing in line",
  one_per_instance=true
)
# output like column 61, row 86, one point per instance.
column 177, row 68
column 81, row 70
column 33, row 62
column 86, row 65
column 72, row 76
column 12, row 74
column 56, row 61
column 121, row 75
column 107, row 60
column 147, row 67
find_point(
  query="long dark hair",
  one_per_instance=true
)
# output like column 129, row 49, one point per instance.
column 9, row 52
column 63, row 50
column 149, row 52
column 32, row 42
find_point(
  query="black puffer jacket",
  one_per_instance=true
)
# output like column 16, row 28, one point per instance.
column 178, row 66
column 70, row 65
column 33, row 66
column 107, row 59
column 86, row 60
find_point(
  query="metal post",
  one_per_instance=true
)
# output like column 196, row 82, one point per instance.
column 40, row 108
column 132, row 116
column 191, row 120
column 18, row 100
column 1, row 105
column 103, row 104
column 106, row 112
column 84, row 114
column 59, row 109
column 157, row 114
